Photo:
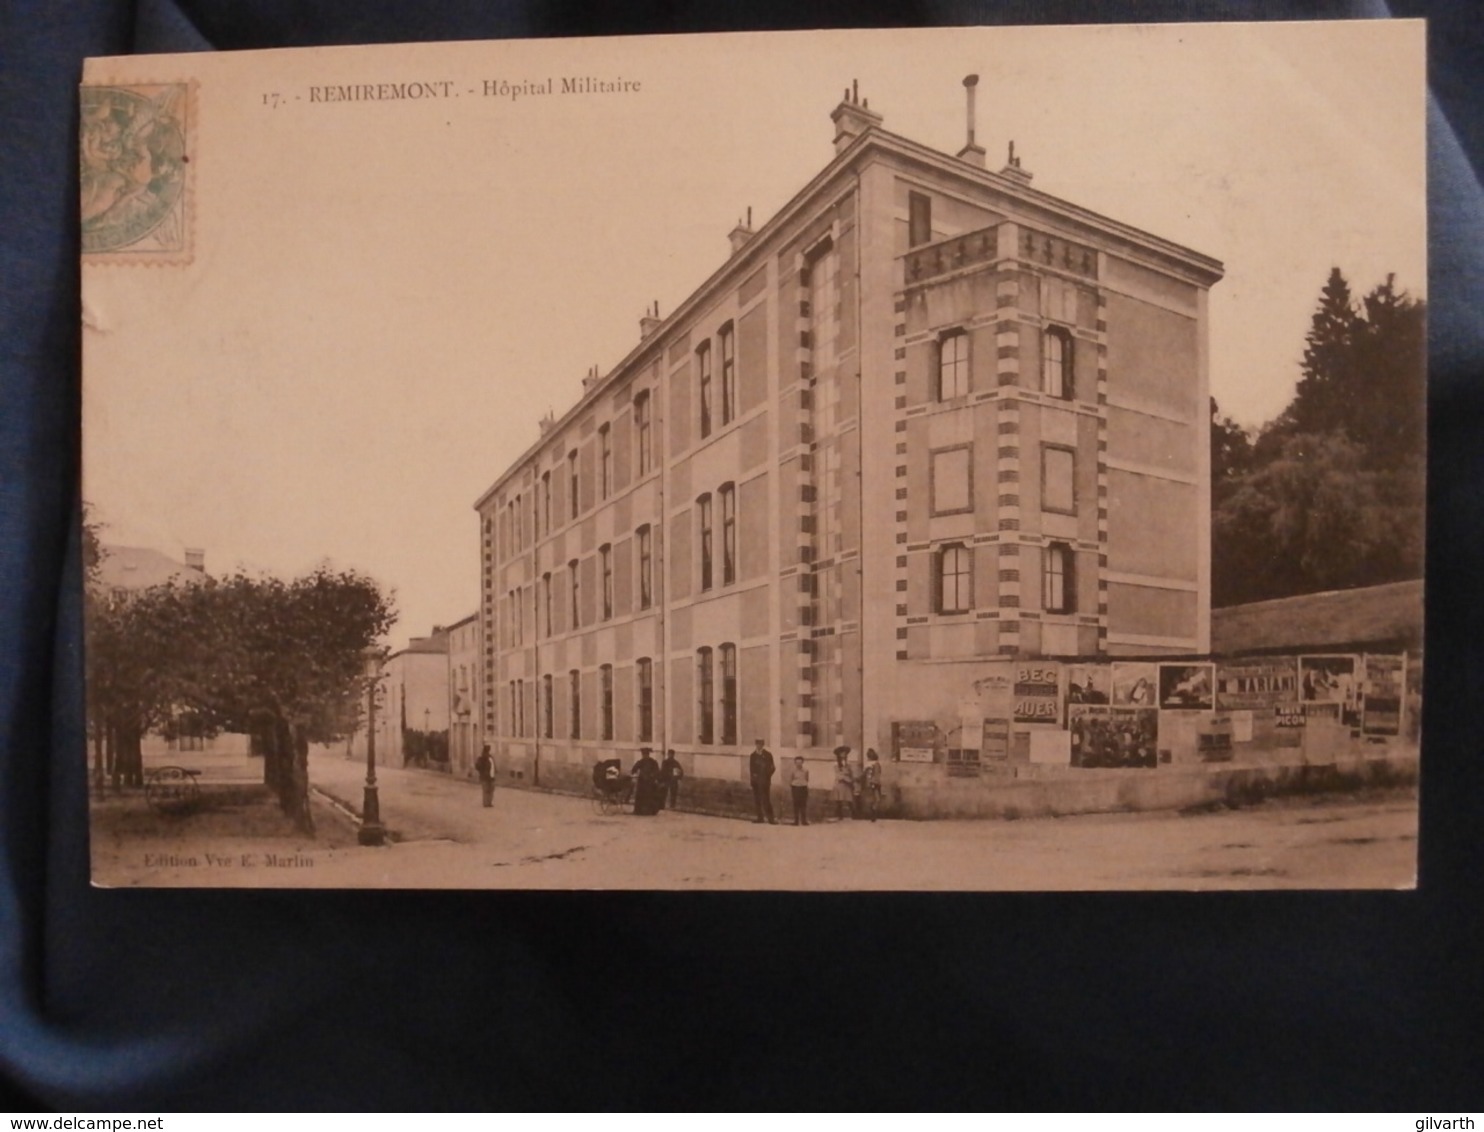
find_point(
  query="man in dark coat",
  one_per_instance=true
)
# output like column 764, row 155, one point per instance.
column 484, row 767
column 760, row 769
column 671, row 773
column 646, row 772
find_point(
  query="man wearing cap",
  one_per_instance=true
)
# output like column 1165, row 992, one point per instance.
column 760, row 769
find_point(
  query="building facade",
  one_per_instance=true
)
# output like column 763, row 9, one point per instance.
column 412, row 717
column 924, row 424
column 464, row 727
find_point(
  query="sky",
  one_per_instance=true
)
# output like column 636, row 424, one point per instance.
column 384, row 296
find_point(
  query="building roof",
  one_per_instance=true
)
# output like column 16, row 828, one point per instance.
column 1047, row 209
column 139, row 567
column 1388, row 616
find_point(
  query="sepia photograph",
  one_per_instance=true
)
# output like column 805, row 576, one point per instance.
column 586, row 464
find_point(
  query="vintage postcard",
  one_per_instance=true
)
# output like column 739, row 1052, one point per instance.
column 959, row 459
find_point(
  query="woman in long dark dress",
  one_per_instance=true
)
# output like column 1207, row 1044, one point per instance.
column 646, row 772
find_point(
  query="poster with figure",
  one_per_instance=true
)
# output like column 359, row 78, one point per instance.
column 1187, row 687
column 1089, row 684
column 1135, row 683
column 1331, row 680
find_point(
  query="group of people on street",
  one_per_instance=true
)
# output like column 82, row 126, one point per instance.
column 852, row 791
column 653, row 785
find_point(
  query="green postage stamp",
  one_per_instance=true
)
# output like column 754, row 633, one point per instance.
column 134, row 153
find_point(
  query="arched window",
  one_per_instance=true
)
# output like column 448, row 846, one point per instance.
column 1056, row 362
column 646, row 566
column 703, row 381
column 605, row 461
column 955, row 578
column 572, row 484
column 705, row 698
column 953, row 365
column 728, row 494
column 641, row 431
column 1058, row 579
column 645, row 681
column 574, row 704
column 605, row 561
column 728, row 374
column 703, row 515
column 728, row 695
column 605, row 689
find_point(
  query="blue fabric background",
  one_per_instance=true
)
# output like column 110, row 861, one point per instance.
column 189, row 1000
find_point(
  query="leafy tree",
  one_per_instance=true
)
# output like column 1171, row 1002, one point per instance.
column 1329, row 494
column 280, row 661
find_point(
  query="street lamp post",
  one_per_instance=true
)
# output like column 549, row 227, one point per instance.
column 372, row 832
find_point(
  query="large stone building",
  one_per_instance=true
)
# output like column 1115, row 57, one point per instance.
column 925, row 423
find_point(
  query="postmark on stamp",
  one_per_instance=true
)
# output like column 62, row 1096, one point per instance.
column 134, row 153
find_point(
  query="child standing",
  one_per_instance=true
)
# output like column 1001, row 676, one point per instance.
column 798, row 785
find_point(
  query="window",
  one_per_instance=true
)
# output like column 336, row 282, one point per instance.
column 536, row 508
column 510, row 719
column 728, row 694
column 520, row 707
column 953, row 365
column 546, row 603
column 705, row 701
column 1056, row 362
column 605, row 461
column 576, row 610
column 574, row 704
column 546, row 502
column 1058, row 480
column 572, row 483
column 646, row 567
column 955, row 575
column 520, row 523
column 641, row 432
column 520, row 616
column 952, row 481
column 728, row 494
column 606, row 687
column 546, row 692
column 605, row 559
column 703, row 379
column 1058, row 588
column 728, row 374
column 822, row 281
column 646, row 699
column 919, row 219
column 703, row 512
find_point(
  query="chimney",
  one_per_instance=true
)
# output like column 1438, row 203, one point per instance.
column 852, row 117
column 972, row 152
column 547, row 423
column 651, row 321
column 195, row 558
column 1012, row 168
column 742, row 233
column 590, row 378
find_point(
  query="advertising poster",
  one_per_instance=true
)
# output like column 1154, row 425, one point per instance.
column 1038, row 693
column 994, row 745
column 1256, row 684
column 1187, row 687
column 916, row 740
column 1382, row 693
column 1288, row 716
column 1331, row 680
column 1135, row 683
column 1089, row 684
column 1112, row 737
